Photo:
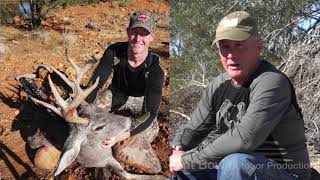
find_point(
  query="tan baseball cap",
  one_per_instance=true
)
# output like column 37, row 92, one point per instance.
column 236, row 26
column 142, row 19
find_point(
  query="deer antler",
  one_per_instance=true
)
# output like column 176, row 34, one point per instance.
column 68, row 109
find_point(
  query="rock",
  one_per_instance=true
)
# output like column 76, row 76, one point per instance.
column 17, row 20
column 137, row 152
column 15, row 42
column 314, row 174
column 5, row 131
column 315, row 165
column 10, row 20
column 47, row 158
column 16, row 112
column 92, row 26
column 66, row 20
column 4, row 50
column 1, row 130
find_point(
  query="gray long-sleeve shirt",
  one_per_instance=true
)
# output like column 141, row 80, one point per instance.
column 257, row 117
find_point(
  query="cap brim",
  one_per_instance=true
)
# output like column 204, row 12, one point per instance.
column 142, row 25
column 232, row 34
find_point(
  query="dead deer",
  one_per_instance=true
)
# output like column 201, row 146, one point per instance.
column 88, row 129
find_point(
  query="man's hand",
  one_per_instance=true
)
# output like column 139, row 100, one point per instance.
column 175, row 159
column 174, row 147
column 113, row 140
column 9, row 90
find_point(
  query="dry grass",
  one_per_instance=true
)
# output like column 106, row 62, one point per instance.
column 8, row 9
column 69, row 38
column 302, row 65
column 54, row 39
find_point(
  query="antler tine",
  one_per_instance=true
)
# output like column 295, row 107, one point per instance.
column 47, row 105
column 83, row 71
column 63, row 77
column 60, row 101
column 75, row 67
column 82, row 94
column 69, row 112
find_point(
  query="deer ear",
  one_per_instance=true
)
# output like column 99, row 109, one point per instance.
column 70, row 153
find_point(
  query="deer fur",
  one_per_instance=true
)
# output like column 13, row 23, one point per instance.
column 89, row 125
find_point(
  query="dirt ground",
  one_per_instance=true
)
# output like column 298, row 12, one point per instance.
column 87, row 30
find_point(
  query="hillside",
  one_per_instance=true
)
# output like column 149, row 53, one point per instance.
column 88, row 29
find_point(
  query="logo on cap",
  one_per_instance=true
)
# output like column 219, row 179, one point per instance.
column 143, row 17
column 236, row 26
column 229, row 23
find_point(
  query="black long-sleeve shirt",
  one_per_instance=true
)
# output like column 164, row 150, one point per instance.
column 145, row 80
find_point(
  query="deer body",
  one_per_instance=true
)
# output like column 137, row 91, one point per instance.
column 86, row 140
column 88, row 128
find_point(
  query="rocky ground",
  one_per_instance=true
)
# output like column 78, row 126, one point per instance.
column 87, row 30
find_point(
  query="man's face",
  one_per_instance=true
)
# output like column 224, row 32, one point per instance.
column 240, row 58
column 140, row 39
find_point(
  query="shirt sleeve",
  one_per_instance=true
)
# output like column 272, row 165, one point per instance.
column 142, row 123
column 103, row 70
column 270, row 98
column 201, row 123
column 152, row 97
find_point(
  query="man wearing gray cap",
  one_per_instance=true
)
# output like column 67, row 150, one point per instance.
column 136, row 73
column 253, row 106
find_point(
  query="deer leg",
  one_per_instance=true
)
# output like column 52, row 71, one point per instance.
column 102, row 173
column 116, row 166
column 137, row 151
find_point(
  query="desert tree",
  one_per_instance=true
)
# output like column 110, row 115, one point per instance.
column 35, row 10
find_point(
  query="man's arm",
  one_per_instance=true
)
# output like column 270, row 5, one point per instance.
column 269, row 100
column 152, row 98
column 202, row 119
column 103, row 70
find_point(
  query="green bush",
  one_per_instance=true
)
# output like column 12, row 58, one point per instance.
column 8, row 9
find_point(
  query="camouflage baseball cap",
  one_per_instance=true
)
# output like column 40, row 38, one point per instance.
column 142, row 19
column 236, row 26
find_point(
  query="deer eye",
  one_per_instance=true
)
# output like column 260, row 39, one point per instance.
column 99, row 128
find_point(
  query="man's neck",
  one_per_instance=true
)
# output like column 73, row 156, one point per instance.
column 136, row 59
column 239, row 82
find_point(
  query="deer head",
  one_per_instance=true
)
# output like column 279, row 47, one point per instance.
column 89, row 125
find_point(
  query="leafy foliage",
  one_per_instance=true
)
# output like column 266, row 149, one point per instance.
column 8, row 9
column 291, row 33
column 281, row 23
column 33, row 11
